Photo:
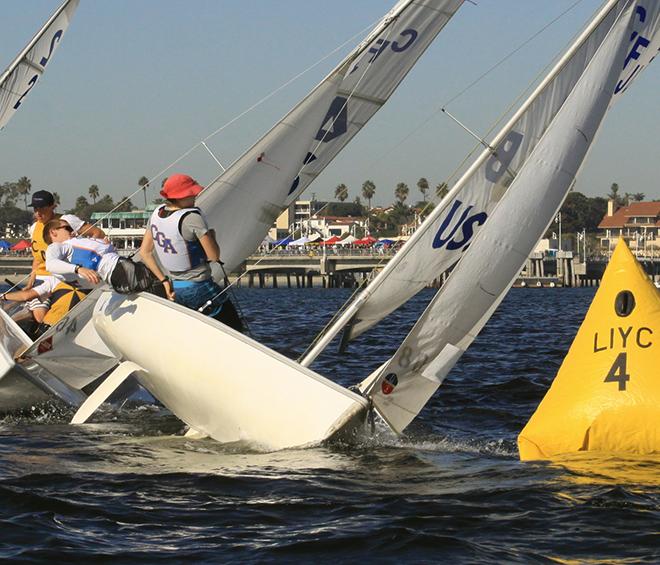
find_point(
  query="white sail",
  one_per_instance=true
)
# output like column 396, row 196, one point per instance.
column 24, row 72
column 245, row 200
column 493, row 260
column 444, row 236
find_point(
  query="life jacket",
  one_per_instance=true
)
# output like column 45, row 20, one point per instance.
column 64, row 297
column 39, row 246
column 173, row 251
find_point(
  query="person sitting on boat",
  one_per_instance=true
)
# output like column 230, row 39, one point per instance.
column 179, row 236
column 57, row 294
column 44, row 206
column 93, row 260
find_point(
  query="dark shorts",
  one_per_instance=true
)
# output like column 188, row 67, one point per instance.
column 129, row 277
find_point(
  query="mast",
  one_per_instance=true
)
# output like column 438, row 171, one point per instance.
column 324, row 340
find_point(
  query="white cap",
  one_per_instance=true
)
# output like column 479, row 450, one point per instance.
column 74, row 221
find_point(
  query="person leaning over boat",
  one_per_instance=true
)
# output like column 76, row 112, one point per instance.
column 60, row 295
column 44, row 206
column 93, row 260
column 179, row 236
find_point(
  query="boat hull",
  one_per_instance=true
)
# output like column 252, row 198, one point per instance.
column 16, row 391
column 220, row 382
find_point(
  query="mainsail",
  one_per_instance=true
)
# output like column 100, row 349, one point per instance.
column 245, row 200
column 450, row 228
column 24, row 72
column 495, row 256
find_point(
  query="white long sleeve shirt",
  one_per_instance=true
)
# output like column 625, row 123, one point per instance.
column 63, row 257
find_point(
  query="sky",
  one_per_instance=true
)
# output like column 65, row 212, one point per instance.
column 137, row 83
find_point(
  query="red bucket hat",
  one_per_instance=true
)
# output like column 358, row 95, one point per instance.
column 180, row 186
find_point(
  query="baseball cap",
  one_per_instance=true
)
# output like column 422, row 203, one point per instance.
column 42, row 198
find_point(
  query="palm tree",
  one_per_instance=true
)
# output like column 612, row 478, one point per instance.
column 93, row 192
column 368, row 191
column 23, row 187
column 441, row 190
column 614, row 195
column 423, row 186
column 341, row 192
column 638, row 196
column 56, row 198
column 144, row 183
column 401, row 192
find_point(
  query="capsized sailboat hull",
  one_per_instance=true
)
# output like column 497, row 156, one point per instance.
column 220, row 382
column 606, row 396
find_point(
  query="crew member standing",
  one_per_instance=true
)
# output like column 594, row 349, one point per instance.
column 181, row 239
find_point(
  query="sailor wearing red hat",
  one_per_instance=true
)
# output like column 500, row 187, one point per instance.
column 179, row 236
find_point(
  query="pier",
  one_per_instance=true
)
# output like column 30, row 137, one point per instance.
column 346, row 268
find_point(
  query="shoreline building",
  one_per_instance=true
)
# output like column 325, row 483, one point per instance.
column 125, row 229
column 638, row 223
column 306, row 217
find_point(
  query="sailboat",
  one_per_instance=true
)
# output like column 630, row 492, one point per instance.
column 275, row 170
column 249, row 393
column 26, row 69
column 20, row 388
column 606, row 395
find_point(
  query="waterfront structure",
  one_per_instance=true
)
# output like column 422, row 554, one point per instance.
column 638, row 224
column 125, row 229
column 305, row 217
column 295, row 217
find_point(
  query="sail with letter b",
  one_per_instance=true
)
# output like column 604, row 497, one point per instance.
column 491, row 263
column 449, row 229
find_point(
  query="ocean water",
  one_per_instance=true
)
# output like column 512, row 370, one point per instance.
column 129, row 488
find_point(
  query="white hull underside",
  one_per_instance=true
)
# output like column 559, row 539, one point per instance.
column 220, row 382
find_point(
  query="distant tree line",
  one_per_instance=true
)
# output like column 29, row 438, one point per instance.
column 578, row 212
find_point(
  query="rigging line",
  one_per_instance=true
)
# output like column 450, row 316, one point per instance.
column 293, row 79
column 266, row 255
column 239, row 116
column 512, row 53
column 425, row 121
column 364, row 73
column 389, row 30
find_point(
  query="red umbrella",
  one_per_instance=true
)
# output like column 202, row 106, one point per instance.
column 334, row 239
column 21, row 245
column 365, row 241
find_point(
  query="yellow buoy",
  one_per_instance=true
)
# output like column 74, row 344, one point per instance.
column 606, row 396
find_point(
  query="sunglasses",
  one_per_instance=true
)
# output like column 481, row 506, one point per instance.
column 67, row 228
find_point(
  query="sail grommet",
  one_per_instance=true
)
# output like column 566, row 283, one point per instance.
column 624, row 303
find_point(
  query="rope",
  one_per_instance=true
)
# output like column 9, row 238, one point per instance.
column 352, row 92
column 425, row 121
column 217, row 131
column 202, row 142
